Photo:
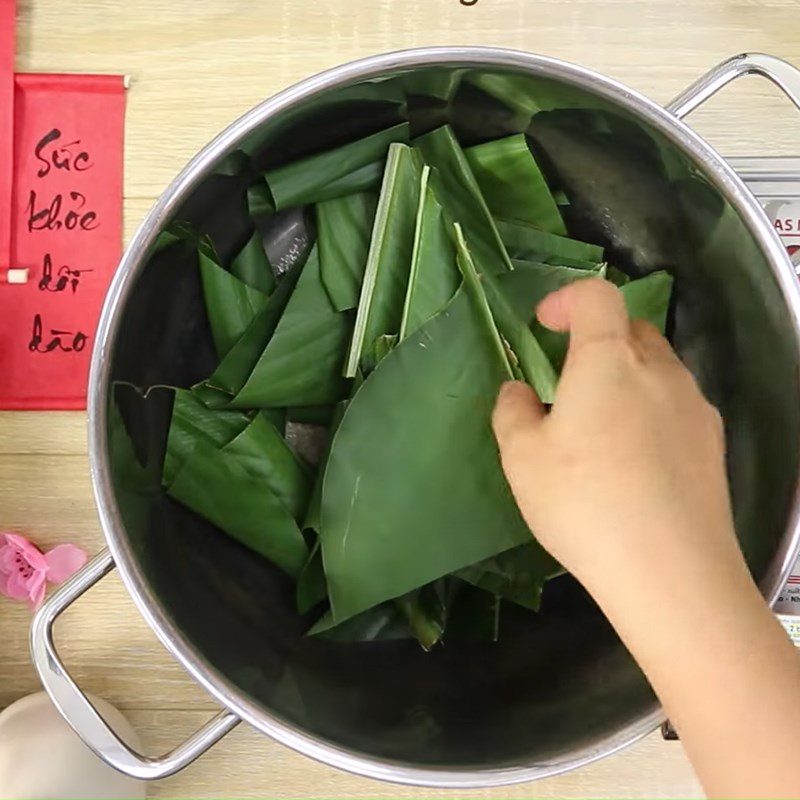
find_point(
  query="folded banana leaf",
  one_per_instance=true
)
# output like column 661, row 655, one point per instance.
column 217, row 486
column 431, row 499
column 433, row 279
column 385, row 622
column 302, row 363
column 264, row 453
column 380, row 306
column 344, row 228
column 458, row 192
column 259, row 199
column 526, row 242
column 312, row 587
column 252, row 266
column 513, row 184
column 231, row 304
column 530, row 283
column 354, row 167
column 517, row 575
column 233, row 371
column 646, row 298
column 528, row 356
column 191, row 422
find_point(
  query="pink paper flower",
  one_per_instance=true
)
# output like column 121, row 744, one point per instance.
column 24, row 569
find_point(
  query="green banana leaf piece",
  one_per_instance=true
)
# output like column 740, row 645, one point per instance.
column 262, row 450
column 425, row 611
column 252, row 266
column 380, row 307
column 646, row 298
column 193, row 421
column 526, row 242
column 381, row 623
column 230, row 303
column 617, row 276
column 472, row 284
column 344, row 170
column 460, row 196
column 433, row 279
column 233, row 371
column 513, row 184
column 217, row 486
column 302, row 363
column 517, row 575
column 531, row 282
column 421, row 615
column 531, row 360
column 344, row 228
column 424, row 503
column 312, row 588
column 259, row 199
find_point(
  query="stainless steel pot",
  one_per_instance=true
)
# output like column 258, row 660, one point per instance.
column 559, row 690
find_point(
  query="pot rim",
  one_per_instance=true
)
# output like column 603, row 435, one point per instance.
column 674, row 129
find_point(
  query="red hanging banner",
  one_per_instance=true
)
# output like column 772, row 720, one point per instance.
column 66, row 219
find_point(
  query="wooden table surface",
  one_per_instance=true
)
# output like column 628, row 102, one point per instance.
column 196, row 66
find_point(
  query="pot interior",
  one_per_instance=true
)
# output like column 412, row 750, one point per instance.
column 558, row 685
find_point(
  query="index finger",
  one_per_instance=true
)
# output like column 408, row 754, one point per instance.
column 590, row 309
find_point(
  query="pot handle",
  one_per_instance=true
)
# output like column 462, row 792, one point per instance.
column 78, row 710
column 783, row 74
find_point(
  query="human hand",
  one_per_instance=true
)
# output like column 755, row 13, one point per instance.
column 625, row 476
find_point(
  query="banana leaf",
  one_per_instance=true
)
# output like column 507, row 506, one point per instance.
column 531, row 282
column 252, row 266
column 513, row 184
column 517, row 575
column 617, row 276
column 312, row 588
column 646, row 298
column 264, row 453
column 458, row 192
column 344, row 170
column 259, row 199
column 433, row 279
column 431, row 498
column 385, row 622
column 344, row 227
column 192, row 421
column 380, row 307
column 217, row 486
column 302, row 363
column 532, row 361
column 231, row 304
column 233, row 371
column 426, row 611
column 526, row 242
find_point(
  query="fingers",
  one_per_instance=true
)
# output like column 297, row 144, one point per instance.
column 590, row 310
column 650, row 341
column 518, row 409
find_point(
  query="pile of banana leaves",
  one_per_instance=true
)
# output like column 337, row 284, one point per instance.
column 392, row 333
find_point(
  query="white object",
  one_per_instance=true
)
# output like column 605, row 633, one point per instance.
column 42, row 757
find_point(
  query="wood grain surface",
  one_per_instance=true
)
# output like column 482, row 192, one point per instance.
column 195, row 67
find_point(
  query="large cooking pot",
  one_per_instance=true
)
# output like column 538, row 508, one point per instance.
column 559, row 690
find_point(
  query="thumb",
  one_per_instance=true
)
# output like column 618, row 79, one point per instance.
column 518, row 410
